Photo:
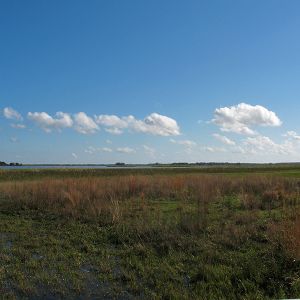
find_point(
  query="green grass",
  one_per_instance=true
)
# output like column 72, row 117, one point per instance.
column 46, row 256
column 31, row 174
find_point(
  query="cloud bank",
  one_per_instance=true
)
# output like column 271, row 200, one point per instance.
column 154, row 124
column 243, row 119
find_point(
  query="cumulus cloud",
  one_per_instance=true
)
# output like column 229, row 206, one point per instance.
column 126, row 150
column 114, row 124
column 242, row 117
column 48, row 123
column 154, row 124
column 10, row 113
column 81, row 122
column 111, row 121
column 224, row 139
column 84, row 124
column 157, row 124
column 265, row 145
column 115, row 130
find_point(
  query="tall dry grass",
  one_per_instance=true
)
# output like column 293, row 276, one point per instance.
column 144, row 200
column 94, row 197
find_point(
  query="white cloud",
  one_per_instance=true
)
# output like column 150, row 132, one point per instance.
column 115, row 131
column 264, row 145
column 75, row 155
column 240, row 118
column 260, row 143
column 157, row 124
column 47, row 123
column 154, row 124
column 90, row 150
column 111, row 121
column 213, row 149
column 10, row 113
column 126, row 150
column 186, row 143
column 18, row 126
column 115, row 125
column 224, row 139
column 209, row 149
column 240, row 150
column 84, row 124
column 293, row 135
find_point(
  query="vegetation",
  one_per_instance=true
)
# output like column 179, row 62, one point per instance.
column 14, row 164
column 163, row 234
column 292, row 170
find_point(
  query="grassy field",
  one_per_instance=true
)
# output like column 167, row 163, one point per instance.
column 182, row 233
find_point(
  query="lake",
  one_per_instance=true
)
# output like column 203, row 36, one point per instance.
column 70, row 167
column 53, row 167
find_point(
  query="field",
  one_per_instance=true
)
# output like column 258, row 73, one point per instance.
column 184, row 233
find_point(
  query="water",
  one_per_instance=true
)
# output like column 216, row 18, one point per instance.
column 72, row 167
column 52, row 167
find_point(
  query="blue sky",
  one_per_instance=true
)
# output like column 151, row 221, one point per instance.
column 149, row 81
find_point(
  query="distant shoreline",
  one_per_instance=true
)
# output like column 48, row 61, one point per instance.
column 208, row 166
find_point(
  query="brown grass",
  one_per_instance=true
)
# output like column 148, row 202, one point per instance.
column 137, row 199
column 94, row 196
column 287, row 234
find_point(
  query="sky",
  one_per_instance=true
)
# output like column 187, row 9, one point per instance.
column 141, row 81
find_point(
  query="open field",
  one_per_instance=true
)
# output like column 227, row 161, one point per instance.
column 184, row 233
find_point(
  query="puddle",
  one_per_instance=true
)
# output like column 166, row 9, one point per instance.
column 6, row 241
column 97, row 289
column 37, row 256
column 87, row 268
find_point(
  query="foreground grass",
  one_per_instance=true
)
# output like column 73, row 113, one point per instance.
column 166, row 237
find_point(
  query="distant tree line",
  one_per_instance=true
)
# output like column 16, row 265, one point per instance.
column 2, row 163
